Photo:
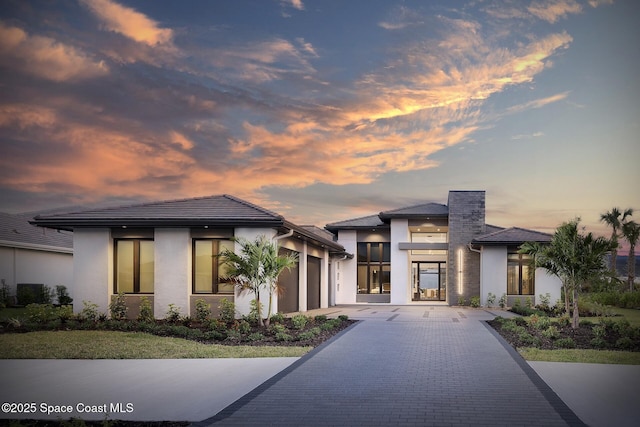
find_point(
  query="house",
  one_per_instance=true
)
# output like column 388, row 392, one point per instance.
column 431, row 252
column 436, row 252
column 33, row 255
column 167, row 251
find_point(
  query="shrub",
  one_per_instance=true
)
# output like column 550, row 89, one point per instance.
column 118, row 307
column 255, row 308
column 63, row 295
column 5, row 297
column 545, row 301
column 89, row 311
column 564, row 321
column 306, row 336
column 277, row 318
column 330, row 324
column 146, row 312
column 551, row 332
column 528, row 302
column 503, row 301
column 586, row 322
column 565, row 343
column 320, row 318
column 625, row 343
column 218, row 326
column 215, row 335
column 343, row 317
column 462, row 301
column 64, row 313
column 173, row 314
column 299, row 321
column 256, row 336
column 491, row 299
column 475, row 301
column 277, row 329
column 283, row 336
column 244, row 327
column 227, row 310
column 528, row 339
column 599, row 331
column 521, row 321
column 41, row 313
column 598, row 342
column 203, row 310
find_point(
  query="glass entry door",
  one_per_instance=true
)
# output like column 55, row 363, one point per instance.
column 428, row 281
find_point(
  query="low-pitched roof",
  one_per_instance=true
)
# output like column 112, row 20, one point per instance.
column 512, row 236
column 423, row 210
column 16, row 232
column 221, row 210
column 371, row 221
column 212, row 211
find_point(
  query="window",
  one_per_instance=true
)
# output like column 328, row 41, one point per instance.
column 520, row 275
column 374, row 268
column 134, row 266
column 429, row 237
column 208, row 270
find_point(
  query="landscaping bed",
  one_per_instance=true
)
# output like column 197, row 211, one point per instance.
column 299, row 330
column 556, row 333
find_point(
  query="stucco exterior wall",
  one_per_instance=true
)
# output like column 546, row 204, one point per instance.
column 346, row 270
column 18, row 265
column 92, row 268
column 172, row 270
column 493, row 273
column 546, row 283
column 400, row 268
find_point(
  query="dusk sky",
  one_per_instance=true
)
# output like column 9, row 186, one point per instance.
column 323, row 110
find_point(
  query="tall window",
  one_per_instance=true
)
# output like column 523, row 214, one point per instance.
column 520, row 275
column 208, row 270
column 374, row 268
column 134, row 266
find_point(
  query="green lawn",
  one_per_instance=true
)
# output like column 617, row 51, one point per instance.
column 581, row 356
column 125, row 345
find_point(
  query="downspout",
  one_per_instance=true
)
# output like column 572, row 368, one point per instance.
column 284, row 236
column 473, row 250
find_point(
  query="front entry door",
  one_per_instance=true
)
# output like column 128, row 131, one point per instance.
column 428, row 281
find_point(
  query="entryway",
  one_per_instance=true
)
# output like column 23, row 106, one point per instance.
column 428, row 281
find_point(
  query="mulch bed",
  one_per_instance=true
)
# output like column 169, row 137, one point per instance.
column 582, row 336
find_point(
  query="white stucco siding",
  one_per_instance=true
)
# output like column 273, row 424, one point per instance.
column 243, row 299
column 92, row 268
column 400, row 268
column 18, row 265
column 546, row 283
column 172, row 270
column 346, row 270
column 493, row 273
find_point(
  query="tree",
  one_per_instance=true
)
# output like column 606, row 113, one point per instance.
column 631, row 232
column 573, row 257
column 255, row 267
column 613, row 220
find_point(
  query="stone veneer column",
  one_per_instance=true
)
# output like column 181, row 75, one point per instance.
column 466, row 221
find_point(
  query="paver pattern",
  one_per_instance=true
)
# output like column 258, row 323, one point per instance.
column 404, row 366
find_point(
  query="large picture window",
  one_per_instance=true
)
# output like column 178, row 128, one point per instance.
column 134, row 266
column 374, row 268
column 520, row 275
column 209, row 272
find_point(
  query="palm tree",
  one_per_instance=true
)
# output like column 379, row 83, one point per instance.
column 256, row 266
column 612, row 219
column 631, row 232
column 574, row 258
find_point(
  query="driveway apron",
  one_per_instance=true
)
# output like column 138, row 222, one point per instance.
column 410, row 365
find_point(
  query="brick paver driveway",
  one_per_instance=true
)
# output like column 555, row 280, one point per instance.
column 409, row 365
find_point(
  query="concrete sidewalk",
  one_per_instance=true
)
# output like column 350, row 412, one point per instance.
column 157, row 390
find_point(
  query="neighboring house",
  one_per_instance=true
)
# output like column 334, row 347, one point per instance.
column 34, row 255
column 167, row 251
column 436, row 252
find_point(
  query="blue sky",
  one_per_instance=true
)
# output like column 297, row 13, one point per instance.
column 323, row 110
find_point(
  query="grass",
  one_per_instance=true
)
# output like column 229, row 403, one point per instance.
column 581, row 356
column 126, row 345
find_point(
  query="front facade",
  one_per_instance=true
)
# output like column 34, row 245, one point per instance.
column 435, row 253
column 167, row 252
